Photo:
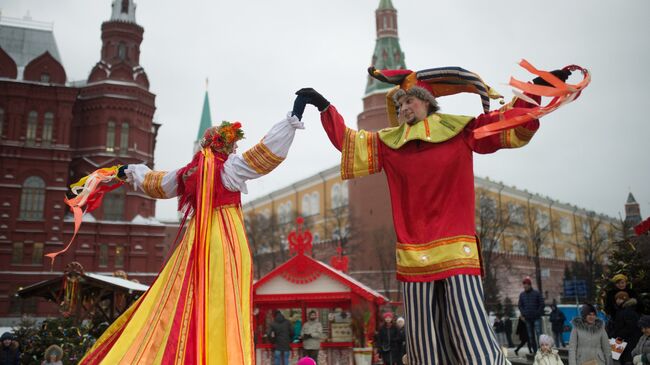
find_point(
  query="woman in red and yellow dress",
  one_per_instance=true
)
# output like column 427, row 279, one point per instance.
column 198, row 310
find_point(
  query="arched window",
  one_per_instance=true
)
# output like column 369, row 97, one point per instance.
column 32, row 124
column 32, row 198
column 124, row 139
column 546, row 251
column 315, row 203
column 119, row 256
column 306, row 205
column 103, row 255
column 48, row 123
column 121, row 51
column 519, row 247
column 2, row 121
column 114, row 205
column 570, row 254
column 337, row 198
column 110, row 136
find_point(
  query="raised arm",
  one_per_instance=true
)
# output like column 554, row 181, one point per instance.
column 261, row 158
column 156, row 184
column 360, row 150
column 514, row 137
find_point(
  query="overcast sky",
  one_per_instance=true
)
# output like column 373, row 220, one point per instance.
column 256, row 53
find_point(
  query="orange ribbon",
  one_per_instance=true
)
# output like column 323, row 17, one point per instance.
column 561, row 92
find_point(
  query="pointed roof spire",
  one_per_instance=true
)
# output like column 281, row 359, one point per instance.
column 388, row 53
column 206, row 119
column 123, row 10
column 385, row 4
column 630, row 199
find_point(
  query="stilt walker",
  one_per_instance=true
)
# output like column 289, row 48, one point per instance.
column 427, row 158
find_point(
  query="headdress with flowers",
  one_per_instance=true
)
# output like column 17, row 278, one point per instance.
column 223, row 137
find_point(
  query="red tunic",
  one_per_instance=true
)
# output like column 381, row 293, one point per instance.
column 432, row 196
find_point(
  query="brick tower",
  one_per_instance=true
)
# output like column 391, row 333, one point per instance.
column 369, row 196
column 114, row 116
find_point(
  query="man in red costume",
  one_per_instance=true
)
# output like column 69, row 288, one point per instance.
column 427, row 158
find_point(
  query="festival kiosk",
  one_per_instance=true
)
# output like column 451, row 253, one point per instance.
column 346, row 308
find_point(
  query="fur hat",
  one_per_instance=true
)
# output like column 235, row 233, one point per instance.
column 622, row 295
column 644, row 321
column 546, row 340
column 586, row 309
column 618, row 277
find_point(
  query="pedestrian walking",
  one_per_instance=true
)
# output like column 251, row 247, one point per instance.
column 531, row 306
column 522, row 333
column 557, row 319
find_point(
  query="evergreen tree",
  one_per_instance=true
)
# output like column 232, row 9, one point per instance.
column 630, row 257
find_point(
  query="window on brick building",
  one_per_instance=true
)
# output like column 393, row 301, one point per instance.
column 45, row 77
column 110, row 136
column 570, row 254
column 565, row 225
column 103, row 255
column 519, row 247
column 119, row 256
column 517, row 213
column 339, row 195
column 32, row 198
column 114, row 205
column 546, row 251
column 37, row 254
column 124, row 139
column 17, row 253
column 2, row 121
column 32, row 124
column 121, row 51
column 48, row 124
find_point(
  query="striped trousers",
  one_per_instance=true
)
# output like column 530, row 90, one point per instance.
column 446, row 323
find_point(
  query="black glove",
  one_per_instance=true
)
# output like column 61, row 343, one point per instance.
column 299, row 106
column 306, row 336
column 120, row 172
column 560, row 74
column 314, row 98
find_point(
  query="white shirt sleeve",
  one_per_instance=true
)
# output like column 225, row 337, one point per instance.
column 156, row 184
column 261, row 158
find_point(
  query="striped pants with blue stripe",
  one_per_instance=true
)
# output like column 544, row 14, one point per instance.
column 446, row 323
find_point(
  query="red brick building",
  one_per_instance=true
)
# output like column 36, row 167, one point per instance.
column 54, row 131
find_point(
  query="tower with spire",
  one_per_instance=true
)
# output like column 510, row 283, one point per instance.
column 206, row 120
column 632, row 211
column 369, row 196
column 114, row 115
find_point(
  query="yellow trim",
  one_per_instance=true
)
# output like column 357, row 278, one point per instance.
column 437, row 256
column 261, row 159
column 152, row 184
column 359, row 155
column 516, row 137
column 442, row 127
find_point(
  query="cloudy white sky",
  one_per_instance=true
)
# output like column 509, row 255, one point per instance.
column 256, row 53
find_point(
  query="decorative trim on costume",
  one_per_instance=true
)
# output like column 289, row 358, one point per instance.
column 152, row 184
column 516, row 137
column 261, row 159
column 360, row 154
column 435, row 129
column 437, row 258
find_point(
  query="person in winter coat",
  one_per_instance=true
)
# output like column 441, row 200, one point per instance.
column 620, row 284
column 557, row 319
column 500, row 331
column 280, row 333
column 402, row 339
column 624, row 324
column 641, row 353
column 53, row 356
column 522, row 333
column 388, row 341
column 589, row 341
column 531, row 306
column 312, row 335
column 546, row 355
column 507, row 325
column 9, row 353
